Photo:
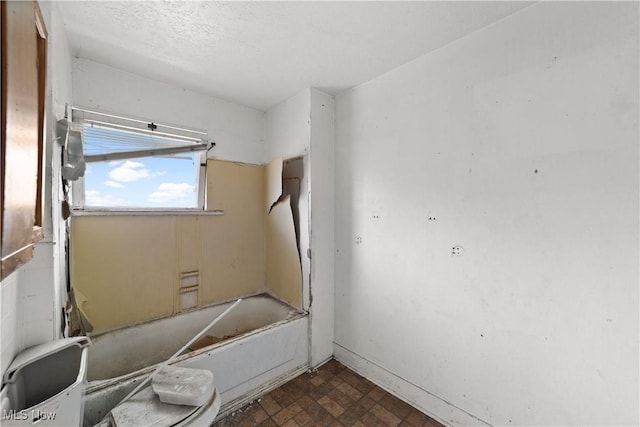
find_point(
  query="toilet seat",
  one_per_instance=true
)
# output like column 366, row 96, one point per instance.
column 146, row 410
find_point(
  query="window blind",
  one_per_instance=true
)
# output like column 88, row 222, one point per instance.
column 109, row 137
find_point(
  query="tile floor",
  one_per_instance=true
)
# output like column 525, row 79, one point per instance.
column 331, row 396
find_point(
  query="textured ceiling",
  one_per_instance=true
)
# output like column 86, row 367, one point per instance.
column 260, row 53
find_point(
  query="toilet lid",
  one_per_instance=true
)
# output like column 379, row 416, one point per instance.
column 183, row 386
column 145, row 409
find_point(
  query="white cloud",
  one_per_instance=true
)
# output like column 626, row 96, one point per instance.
column 170, row 191
column 132, row 171
column 113, row 184
column 94, row 198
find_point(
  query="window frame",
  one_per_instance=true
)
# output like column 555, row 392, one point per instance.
column 78, row 207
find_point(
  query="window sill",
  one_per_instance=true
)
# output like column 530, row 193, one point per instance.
column 144, row 212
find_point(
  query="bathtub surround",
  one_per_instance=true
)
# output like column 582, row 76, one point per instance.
column 239, row 191
column 158, row 261
column 249, row 136
column 519, row 143
column 295, row 128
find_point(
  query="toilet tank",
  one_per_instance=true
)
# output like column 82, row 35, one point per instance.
column 44, row 385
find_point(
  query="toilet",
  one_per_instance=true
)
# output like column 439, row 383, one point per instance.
column 44, row 385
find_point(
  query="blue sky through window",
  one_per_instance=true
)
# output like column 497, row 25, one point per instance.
column 151, row 182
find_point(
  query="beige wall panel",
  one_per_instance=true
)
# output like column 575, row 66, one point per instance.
column 188, row 237
column 232, row 185
column 125, row 267
column 233, row 245
column 284, row 275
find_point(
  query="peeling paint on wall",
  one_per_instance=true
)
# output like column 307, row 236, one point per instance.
column 284, row 273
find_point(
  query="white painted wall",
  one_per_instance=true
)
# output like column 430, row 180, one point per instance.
column 303, row 126
column 32, row 297
column 322, row 225
column 288, row 127
column 11, row 326
column 237, row 130
column 521, row 140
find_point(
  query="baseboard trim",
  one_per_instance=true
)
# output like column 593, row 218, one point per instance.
column 416, row 396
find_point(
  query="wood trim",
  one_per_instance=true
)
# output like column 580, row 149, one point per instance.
column 15, row 260
column 24, row 74
column 42, row 91
column 3, row 109
column 40, row 25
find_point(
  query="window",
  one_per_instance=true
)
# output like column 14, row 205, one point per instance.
column 135, row 164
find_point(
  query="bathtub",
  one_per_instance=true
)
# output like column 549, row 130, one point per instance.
column 268, row 345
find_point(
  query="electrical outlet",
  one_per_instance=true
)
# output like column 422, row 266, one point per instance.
column 457, row 250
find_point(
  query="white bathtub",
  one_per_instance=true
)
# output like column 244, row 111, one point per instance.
column 271, row 347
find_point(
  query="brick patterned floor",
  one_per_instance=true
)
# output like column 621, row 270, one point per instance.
column 331, row 396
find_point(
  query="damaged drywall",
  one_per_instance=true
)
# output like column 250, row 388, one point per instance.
column 292, row 174
column 284, row 272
